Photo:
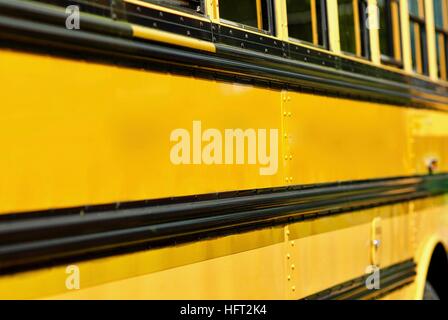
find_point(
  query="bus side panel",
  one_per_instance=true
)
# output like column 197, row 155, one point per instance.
column 85, row 134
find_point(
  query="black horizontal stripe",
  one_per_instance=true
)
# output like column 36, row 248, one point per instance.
column 106, row 40
column 33, row 238
column 315, row 78
column 391, row 278
column 31, row 11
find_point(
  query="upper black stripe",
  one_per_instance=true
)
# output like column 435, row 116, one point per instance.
column 293, row 68
column 30, row 238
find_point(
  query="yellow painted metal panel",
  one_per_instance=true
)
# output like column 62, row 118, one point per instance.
column 245, row 275
column 120, row 268
column 429, row 139
column 89, row 134
column 336, row 139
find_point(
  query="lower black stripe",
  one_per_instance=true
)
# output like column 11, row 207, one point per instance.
column 391, row 278
column 27, row 239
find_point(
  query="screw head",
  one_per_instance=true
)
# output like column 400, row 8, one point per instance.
column 376, row 243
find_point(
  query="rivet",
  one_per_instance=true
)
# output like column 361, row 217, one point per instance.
column 293, row 266
column 286, row 135
column 292, row 243
column 289, row 114
column 284, row 113
column 293, row 288
column 288, row 256
column 290, row 157
column 286, row 157
column 289, row 278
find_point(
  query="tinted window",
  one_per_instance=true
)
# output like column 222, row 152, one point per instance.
column 441, row 23
column 241, row 11
column 300, row 24
column 414, row 7
column 347, row 26
column 256, row 14
column 192, row 5
column 384, row 32
column 307, row 21
column 390, row 31
column 417, row 30
column 438, row 13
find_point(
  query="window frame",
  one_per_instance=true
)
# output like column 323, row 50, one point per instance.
column 271, row 18
column 315, row 26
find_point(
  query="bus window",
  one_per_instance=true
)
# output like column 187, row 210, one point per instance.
column 418, row 36
column 354, row 35
column 189, row 5
column 307, row 21
column 255, row 14
column 441, row 24
column 390, row 32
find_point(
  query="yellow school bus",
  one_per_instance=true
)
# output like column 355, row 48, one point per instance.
column 224, row 149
